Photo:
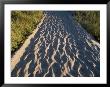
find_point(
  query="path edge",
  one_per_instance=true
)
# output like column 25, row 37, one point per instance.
column 16, row 57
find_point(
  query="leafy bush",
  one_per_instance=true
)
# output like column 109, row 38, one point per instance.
column 22, row 25
column 90, row 20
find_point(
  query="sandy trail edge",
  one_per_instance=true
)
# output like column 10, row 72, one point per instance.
column 16, row 58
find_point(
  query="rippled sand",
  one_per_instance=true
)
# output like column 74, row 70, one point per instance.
column 59, row 47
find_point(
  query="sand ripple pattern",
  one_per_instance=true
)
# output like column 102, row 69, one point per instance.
column 60, row 48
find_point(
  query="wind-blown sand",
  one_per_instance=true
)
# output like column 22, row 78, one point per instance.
column 59, row 47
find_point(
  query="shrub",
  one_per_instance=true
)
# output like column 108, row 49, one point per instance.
column 22, row 25
column 90, row 20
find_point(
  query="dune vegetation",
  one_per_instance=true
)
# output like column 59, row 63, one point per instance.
column 22, row 25
column 90, row 20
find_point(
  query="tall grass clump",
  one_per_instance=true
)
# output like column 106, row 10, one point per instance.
column 22, row 25
column 90, row 20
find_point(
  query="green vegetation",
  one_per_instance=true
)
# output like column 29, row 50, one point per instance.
column 22, row 25
column 90, row 20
